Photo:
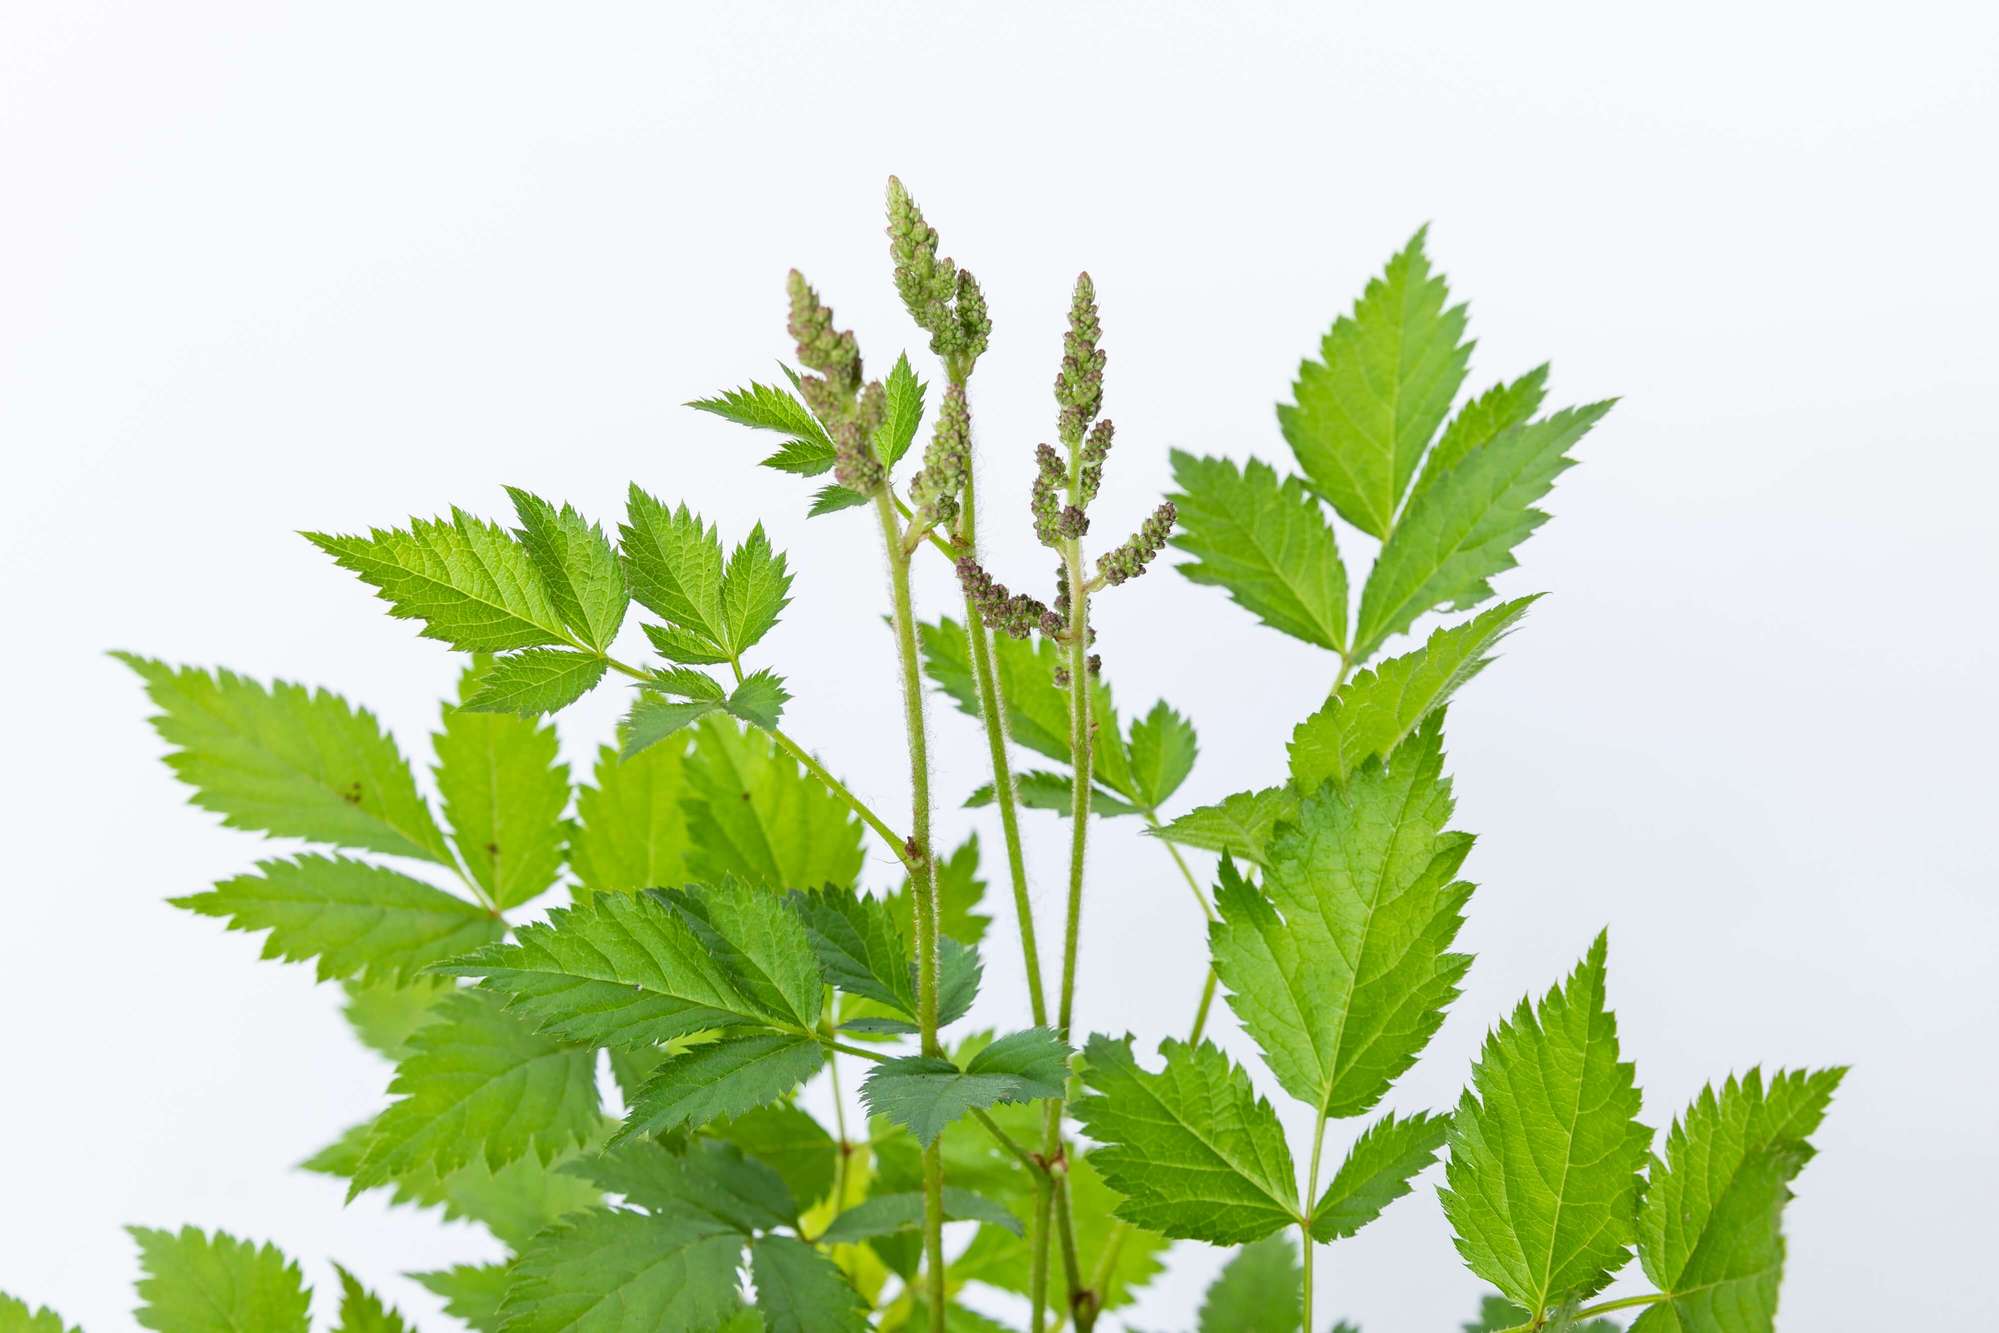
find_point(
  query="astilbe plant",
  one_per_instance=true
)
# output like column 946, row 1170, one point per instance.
column 717, row 948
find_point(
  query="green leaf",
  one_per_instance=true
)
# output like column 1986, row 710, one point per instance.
column 1239, row 825
column 1498, row 1315
column 195, row 1283
column 631, row 832
column 959, row 893
column 16, row 1317
column 1266, row 541
column 755, row 588
column 808, row 450
column 472, row 1293
column 886, row 1214
column 478, row 1085
column 358, row 920
column 1710, row 1232
column 862, row 951
column 706, row 1176
column 653, row 719
column 791, row 1143
column 1037, row 711
column 1374, row 712
column 361, row 1311
column 288, row 761
column 1162, row 754
column 1042, row 789
column 903, row 415
column 758, row 937
column 1258, row 1291
column 724, row 1078
column 1338, row 966
column 471, row 584
column 620, row 970
column 756, row 816
column 623, row 1272
column 1389, row 1154
column 1196, row 1153
column 1461, row 532
column 1388, row 372
column 1542, row 1186
column 536, row 681
column 800, row 1290
column 924, row 1093
column 673, row 563
column 505, row 791
column 384, row 1014
column 1000, row 1258
column 760, row 699
column 1499, row 408
column 578, row 565
column 684, row 646
column 832, row 499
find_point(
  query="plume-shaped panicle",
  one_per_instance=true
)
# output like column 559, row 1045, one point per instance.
column 821, row 347
column 1079, row 385
column 1129, row 560
column 854, row 463
column 1017, row 615
column 935, row 489
column 1044, row 498
column 944, row 300
column 1090, row 469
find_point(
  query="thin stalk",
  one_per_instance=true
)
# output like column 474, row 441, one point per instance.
column 1305, row 1222
column 923, row 884
column 1590, row 1311
column 839, row 1109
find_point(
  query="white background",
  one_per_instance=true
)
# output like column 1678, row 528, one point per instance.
column 269, row 267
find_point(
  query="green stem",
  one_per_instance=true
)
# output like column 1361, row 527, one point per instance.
column 1590, row 1311
column 922, row 884
column 1305, row 1223
column 839, row 1109
column 1201, row 1011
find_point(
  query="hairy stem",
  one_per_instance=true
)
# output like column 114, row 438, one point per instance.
column 922, row 884
column 1304, row 1223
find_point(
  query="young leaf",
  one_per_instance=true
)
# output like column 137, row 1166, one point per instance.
column 904, row 414
column 1339, row 966
column 1264, row 540
column 536, row 681
column 471, row 584
column 361, row 1311
column 1239, row 825
column 197, row 1284
column 755, row 588
column 1499, row 408
column 504, row 793
column 654, row 718
column 831, row 499
column 1366, row 412
column 631, row 832
column 760, row 699
column 1162, row 754
column 724, row 1078
column 1383, row 1160
column 800, row 1290
column 16, row 1317
column 924, row 1093
column 1542, row 1185
column 673, row 564
column 808, row 451
column 472, row 1292
column 622, row 1272
column 359, row 920
column 1461, row 532
column 1710, row 1230
column 1258, row 1291
column 478, row 1085
column 756, row 816
column 288, row 761
column 1196, row 1153
column 1372, row 713
column 619, row 970
column 886, row 1214
column 578, row 565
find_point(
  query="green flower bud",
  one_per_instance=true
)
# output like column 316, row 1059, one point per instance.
column 1079, row 385
column 1129, row 560
column 821, row 347
column 934, row 491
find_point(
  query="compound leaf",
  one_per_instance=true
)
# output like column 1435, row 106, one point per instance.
column 505, row 791
column 1162, row 753
column 1258, row 1290
column 578, row 565
column 196, row 1283
column 807, row 451
column 631, row 832
column 902, row 415
column 673, row 564
column 536, row 681
column 16, row 1317
column 724, row 1078
column 362, row 1311
column 1239, row 825
column 1266, row 541
column 616, row 1271
column 1499, row 408
column 800, row 1290
column 756, row 816
column 1389, row 1154
column 924, row 1093
column 755, row 588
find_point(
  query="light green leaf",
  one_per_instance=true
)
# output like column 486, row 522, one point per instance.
column 478, row 1085
column 862, row 951
column 1258, row 1291
column 760, row 699
column 359, row 920
column 619, row 970
column 1710, row 1232
column 1339, row 966
column 195, row 1283
column 385, row 1013
column 578, row 565
column 960, row 891
column 288, row 761
column 361, row 1311
column 1389, row 1154
column 1498, row 1315
column 470, row 583
column 760, row 940
column 1372, row 713
column 725, row 1078
column 903, row 415
column 1461, row 532
column 673, row 564
column 536, row 681
column 886, row 1214
column 755, row 588
column 808, row 450
column 684, row 646
column 654, row 718
column 1266, row 541
column 1196, row 1153
column 831, row 499
column 505, row 791
column 1366, row 411
column 623, row 1272
column 1499, row 408
column 472, row 1293
column 1037, row 710
column 1043, row 789
column 924, row 1093
column 1239, row 825
column 1542, row 1186
column 1162, row 754
column 1000, row 1258
column 791, row 1143
column 800, row 1290
column 16, row 1317
column 631, row 832
column 754, row 815
column 703, row 1175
